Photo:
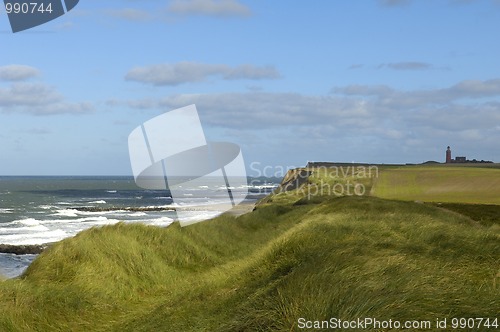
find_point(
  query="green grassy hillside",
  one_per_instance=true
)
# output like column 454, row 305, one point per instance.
column 345, row 257
column 477, row 185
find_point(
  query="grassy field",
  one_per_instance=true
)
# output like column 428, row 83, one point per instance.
column 342, row 257
column 452, row 184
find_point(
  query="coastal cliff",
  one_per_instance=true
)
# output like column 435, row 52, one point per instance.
column 296, row 257
column 294, row 179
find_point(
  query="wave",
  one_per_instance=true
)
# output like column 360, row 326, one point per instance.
column 25, row 225
column 27, row 222
column 162, row 197
column 31, row 222
column 151, row 208
column 47, row 207
column 161, row 222
column 138, row 214
column 98, row 202
column 12, row 265
column 6, row 210
column 97, row 220
column 66, row 213
column 33, row 238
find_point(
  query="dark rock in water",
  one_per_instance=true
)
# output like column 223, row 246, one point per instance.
column 132, row 209
column 22, row 249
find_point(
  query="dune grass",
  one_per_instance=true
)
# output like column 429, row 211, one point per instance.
column 452, row 184
column 486, row 214
column 345, row 257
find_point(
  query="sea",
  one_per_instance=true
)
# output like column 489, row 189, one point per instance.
column 41, row 210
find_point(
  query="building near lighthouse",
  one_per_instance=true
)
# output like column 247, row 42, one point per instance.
column 461, row 160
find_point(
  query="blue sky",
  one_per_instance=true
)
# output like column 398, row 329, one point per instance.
column 367, row 81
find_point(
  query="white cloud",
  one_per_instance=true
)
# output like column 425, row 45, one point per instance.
column 356, row 66
column 209, row 7
column 157, row 11
column 465, row 114
column 184, row 72
column 411, row 65
column 28, row 94
column 17, row 73
column 363, row 90
column 38, row 99
column 476, row 88
column 264, row 110
column 131, row 14
column 394, row 3
column 388, row 97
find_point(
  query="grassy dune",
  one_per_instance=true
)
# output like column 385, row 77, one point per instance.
column 345, row 257
column 476, row 185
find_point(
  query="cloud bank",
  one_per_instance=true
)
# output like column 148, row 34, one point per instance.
column 188, row 72
column 467, row 112
column 14, row 73
column 38, row 98
column 224, row 8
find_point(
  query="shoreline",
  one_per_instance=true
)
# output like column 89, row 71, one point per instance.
column 34, row 249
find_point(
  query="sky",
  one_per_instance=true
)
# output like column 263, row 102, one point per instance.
column 375, row 81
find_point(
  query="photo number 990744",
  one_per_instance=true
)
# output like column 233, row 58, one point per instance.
column 27, row 8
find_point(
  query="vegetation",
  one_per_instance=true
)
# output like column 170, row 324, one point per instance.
column 452, row 184
column 486, row 214
column 344, row 257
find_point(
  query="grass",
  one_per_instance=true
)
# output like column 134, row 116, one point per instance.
column 451, row 184
column 486, row 214
column 345, row 257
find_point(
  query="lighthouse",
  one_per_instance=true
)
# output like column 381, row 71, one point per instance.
column 448, row 155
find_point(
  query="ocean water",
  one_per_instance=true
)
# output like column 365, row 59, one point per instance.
column 39, row 210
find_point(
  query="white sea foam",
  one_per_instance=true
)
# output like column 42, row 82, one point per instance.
column 98, row 213
column 98, row 221
column 33, row 238
column 138, row 214
column 47, row 207
column 27, row 222
column 12, row 265
column 111, row 191
column 162, row 222
column 66, row 213
column 160, row 206
column 5, row 210
column 22, row 230
column 89, row 220
column 98, row 202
